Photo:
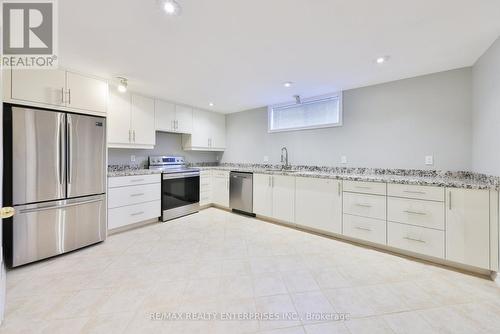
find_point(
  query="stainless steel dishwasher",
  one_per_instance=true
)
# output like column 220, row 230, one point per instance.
column 241, row 192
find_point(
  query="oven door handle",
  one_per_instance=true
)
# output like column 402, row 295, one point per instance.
column 179, row 175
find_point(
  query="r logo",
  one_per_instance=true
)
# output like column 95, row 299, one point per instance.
column 28, row 28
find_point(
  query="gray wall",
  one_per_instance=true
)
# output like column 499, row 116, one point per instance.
column 486, row 112
column 391, row 125
column 166, row 144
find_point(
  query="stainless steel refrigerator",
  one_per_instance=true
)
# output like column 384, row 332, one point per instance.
column 55, row 177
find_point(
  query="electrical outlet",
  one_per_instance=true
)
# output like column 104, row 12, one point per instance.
column 132, row 158
column 266, row 158
column 343, row 159
column 429, row 160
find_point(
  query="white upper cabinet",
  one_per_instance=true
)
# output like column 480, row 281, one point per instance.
column 131, row 120
column 468, row 227
column 86, row 93
column 170, row 117
column 58, row 88
column 209, row 132
column 41, row 86
column 142, row 120
column 183, row 119
column 218, row 133
column 164, row 116
column 262, row 195
column 318, row 204
column 119, row 118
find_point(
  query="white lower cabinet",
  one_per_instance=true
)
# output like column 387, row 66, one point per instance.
column 283, row 198
column 318, row 204
column 416, row 239
column 205, row 187
column 274, row 196
column 133, row 199
column 262, row 195
column 468, row 227
column 371, row 206
column 369, row 229
column 416, row 212
column 220, row 188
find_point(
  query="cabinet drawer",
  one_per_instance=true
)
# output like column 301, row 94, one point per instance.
column 416, row 212
column 372, row 206
column 220, row 173
column 205, row 173
column 417, row 192
column 416, row 239
column 377, row 188
column 121, row 181
column 368, row 229
column 132, row 214
column 123, row 196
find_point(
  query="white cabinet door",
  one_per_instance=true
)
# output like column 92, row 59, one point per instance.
column 318, row 204
column 142, row 120
column 284, row 198
column 218, row 131
column 164, row 116
column 119, row 118
column 41, row 86
column 184, row 119
column 201, row 129
column 220, row 191
column 86, row 93
column 262, row 195
column 468, row 227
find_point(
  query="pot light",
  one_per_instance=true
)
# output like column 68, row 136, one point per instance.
column 211, row 104
column 122, row 86
column 381, row 60
column 171, row 7
column 288, row 84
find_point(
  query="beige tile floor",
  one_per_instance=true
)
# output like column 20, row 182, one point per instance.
column 215, row 261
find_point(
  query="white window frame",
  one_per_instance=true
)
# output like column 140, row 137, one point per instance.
column 305, row 101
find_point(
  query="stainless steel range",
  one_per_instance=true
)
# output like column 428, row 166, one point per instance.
column 180, row 187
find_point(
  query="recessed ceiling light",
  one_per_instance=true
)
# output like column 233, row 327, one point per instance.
column 288, row 84
column 381, row 60
column 171, row 7
column 211, row 104
column 122, row 86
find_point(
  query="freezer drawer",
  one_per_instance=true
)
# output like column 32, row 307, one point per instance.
column 47, row 229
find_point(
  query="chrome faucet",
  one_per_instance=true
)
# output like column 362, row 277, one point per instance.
column 284, row 158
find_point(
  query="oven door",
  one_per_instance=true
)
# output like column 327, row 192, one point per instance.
column 180, row 194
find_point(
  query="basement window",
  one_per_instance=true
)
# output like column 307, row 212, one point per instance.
column 312, row 113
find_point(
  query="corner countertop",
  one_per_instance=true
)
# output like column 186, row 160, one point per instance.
column 465, row 180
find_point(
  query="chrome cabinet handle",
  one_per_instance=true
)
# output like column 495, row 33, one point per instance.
column 136, row 195
column 363, row 228
column 412, row 239
column 363, row 187
column 62, row 95
column 137, row 213
column 339, row 188
column 129, row 136
column 133, row 132
column 449, row 200
column 69, row 96
column 414, row 192
column 415, row 213
column 363, row 205
column 136, row 180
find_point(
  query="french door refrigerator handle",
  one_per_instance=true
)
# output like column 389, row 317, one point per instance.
column 61, row 144
column 52, row 207
column 69, row 135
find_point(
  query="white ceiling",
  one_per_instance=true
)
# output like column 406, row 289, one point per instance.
column 238, row 53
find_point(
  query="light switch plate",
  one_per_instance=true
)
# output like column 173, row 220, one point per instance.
column 343, row 159
column 132, row 158
column 429, row 160
column 266, row 158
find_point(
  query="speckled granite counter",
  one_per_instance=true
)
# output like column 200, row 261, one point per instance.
column 465, row 180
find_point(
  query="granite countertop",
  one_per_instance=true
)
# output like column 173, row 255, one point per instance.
column 465, row 180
